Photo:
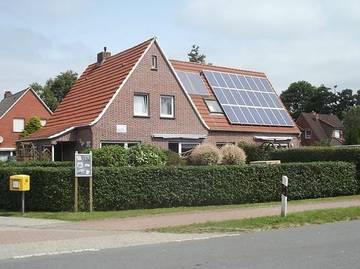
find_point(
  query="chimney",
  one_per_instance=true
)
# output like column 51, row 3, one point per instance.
column 102, row 56
column 315, row 116
column 7, row 94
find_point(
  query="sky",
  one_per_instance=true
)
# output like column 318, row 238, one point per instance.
column 317, row 41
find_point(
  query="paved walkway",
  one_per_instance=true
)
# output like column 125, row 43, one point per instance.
column 23, row 237
column 147, row 222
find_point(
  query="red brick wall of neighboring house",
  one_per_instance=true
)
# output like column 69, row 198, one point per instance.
column 154, row 83
column 27, row 107
column 235, row 137
column 303, row 124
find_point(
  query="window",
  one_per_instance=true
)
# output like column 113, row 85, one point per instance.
column 43, row 122
column 120, row 144
column 221, row 144
column 337, row 134
column 167, row 106
column 213, row 106
column 307, row 134
column 182, row 147
column 141, row 105
column 18, row 125
column 154, row 63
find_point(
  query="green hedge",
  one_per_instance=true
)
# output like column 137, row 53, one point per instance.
column 318, row 154
column 151, row 187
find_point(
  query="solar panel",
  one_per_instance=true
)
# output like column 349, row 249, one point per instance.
column 248, row 99
column 193, row 83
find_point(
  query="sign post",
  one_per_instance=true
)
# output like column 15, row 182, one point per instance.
column 83, row 168
column 284, row 194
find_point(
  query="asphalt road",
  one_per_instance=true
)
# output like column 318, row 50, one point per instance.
column 316, row 246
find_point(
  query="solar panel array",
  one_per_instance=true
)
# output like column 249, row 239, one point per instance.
column 192, row 82
column 248, row 99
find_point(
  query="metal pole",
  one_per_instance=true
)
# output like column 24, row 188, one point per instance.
column 23, row 202
column 76, row 197
column 91, row 194
column 284, row 194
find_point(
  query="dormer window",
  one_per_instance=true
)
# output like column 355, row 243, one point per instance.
column 213, row 106
column 154, row 62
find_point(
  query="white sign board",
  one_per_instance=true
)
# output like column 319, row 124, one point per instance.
column 15, row 184
column 83, row 165
column 121, row 128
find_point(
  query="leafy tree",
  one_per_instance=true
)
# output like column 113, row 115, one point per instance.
column 345, row 100
column 297, row 97
column 55, row 89
column 195, row 56
column 31, row 126
column 322, row 100
column 352, row 126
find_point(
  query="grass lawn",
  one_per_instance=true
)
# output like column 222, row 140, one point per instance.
column 267, row 223
column 72, row 216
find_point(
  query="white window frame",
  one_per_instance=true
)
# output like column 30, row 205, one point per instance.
column 215, row 112
column 126, row 144
column 172, row 115
column 154, row 62
column 18, row 130
column 308, row 134
column 147, row 105
column 180, row 149
column 337, row 132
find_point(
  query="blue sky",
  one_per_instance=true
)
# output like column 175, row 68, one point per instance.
column 290, row 40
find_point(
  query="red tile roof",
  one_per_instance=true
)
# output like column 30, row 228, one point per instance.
column 92, row 92
column 219, row 122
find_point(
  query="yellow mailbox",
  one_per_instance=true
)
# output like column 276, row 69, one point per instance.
column 20, row 183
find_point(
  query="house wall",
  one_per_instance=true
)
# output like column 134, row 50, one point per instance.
column 304, row 125
column 27, row 107
column 140, row 129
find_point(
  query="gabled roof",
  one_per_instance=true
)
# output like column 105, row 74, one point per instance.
column 93, row 92
column 8, row 103
column 219, row 122
column 315, row 121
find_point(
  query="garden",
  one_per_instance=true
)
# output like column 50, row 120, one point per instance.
column 145, row 176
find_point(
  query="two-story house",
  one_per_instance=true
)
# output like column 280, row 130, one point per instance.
column 320, row 128
column 15, row 110
column 139, row 96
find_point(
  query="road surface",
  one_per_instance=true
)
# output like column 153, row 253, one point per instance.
column 315, row 246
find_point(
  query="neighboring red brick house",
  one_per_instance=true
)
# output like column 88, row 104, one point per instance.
column 15, row 110
column 320, row 128
column 136, row 96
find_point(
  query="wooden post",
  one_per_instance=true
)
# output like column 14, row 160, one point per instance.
column 76, row 195
column 284, row 194
column 90, row 194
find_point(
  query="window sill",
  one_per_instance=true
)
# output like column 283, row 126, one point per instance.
column 141, row 116
column 153, row 69
column 167, row 118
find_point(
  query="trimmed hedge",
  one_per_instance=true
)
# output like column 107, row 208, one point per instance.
column 318, row 154
column 152, row 187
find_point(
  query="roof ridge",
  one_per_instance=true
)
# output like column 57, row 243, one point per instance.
column 217, row 66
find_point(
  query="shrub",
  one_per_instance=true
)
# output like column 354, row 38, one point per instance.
column 150, row 187
column 145, row 155
column 232, row 154
column 255, row 152
column 174, row 159
column 205, row 154
column 110, row 156
column 31, row 126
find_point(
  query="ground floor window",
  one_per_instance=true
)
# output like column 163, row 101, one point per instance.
column 121, row 144
column 182, row 147
column 221, row 144
column 4, row 155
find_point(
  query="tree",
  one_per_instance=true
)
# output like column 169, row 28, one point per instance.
column 297, row 97
column 322, row 100
column 54, row 90
column 195, row 56
column 352, row 126
column 31, row 126
column 345, row 100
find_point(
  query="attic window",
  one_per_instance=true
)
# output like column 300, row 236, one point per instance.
column 307, row 134
column 154, row 63
column 213, row 106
